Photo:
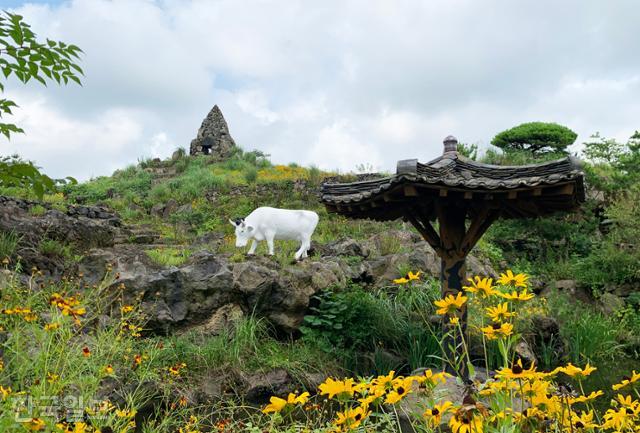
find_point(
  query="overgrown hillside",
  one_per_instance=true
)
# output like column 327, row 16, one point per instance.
column 139, row 297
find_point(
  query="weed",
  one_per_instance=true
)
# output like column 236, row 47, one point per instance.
column 169, row 256
column 56, row 248
column 8, row 243
column 250, row 174
column 37, row 210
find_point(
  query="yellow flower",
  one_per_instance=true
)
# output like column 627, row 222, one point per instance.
column 618, row 419
column 573, row 371
column 627, row 380
column 517, row 371
column 276, row 404
column 466, row 423
column 508, row 278
column 434, row 415
column 108, row 370
column 51, row 326
column 482, row 286
column 627, row 401
column 384, row 381
column 35, row 424
column 413, row 276
column 5, row 392
column 454, row 320
column 585, row 398
column 52, row 377
column 401, row 388
column 352, row 418
column 338, row 387
column 491, row 332
column 402, row 280
column 124, row 413
column 126, row 309
column 506, row 329
column 515, row 296
column 500, row 312
column 450, row 304
column 31, row 317
column 175, row 370
column 584, row 421
column 300, row 399
column 430, row 378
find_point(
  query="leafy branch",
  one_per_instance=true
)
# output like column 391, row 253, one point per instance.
column 22, row 56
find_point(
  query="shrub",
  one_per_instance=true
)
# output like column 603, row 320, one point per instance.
column 359, row 326
column 250, row 174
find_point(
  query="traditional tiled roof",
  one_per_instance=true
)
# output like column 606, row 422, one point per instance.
column 526, row 190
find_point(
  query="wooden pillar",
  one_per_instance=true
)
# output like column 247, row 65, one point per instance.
column 451, row 220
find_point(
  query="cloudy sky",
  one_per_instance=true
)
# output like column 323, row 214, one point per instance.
column 331, row 83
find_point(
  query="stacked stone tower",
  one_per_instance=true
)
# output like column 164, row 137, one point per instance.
column 213, row 137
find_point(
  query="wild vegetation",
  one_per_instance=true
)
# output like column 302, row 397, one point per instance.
column 350, row 331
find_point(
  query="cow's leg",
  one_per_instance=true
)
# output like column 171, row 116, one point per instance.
column 252, row 248
column 270, row 244
column 306, row 244
column 301, row 251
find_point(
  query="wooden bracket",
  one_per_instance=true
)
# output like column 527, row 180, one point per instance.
column 478, row 227
column 426, row 230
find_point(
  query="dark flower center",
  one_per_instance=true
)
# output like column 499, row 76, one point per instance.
column 629, row 411
column 496, row 326
column 358, row 417
column 435, row 411
column 517, row 369
column 579, row 424
column 400, row 390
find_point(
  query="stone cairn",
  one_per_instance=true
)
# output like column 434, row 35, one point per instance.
column 213, row 137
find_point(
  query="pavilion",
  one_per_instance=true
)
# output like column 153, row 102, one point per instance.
column 464, row 196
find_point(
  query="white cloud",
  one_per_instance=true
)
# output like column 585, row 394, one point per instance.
column 332, row 83
column 340, row 141
column 80, row 148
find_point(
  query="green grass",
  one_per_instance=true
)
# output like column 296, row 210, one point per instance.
column 169, row 256
column 8, row 243
column 37, row 210
column 56, row 248
column 248, row 347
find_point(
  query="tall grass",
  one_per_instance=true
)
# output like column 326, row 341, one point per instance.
column 169, row 256
column 8, row 243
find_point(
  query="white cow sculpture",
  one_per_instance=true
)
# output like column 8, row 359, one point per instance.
column 268, row 223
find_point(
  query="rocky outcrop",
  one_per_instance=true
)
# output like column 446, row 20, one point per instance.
column 211, row 291
column 213, row 137
column 81, row 227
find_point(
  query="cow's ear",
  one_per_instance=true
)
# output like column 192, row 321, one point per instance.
column 249, row 228
column 233, row 223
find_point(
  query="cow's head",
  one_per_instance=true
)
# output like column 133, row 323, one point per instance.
column 243, row 231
